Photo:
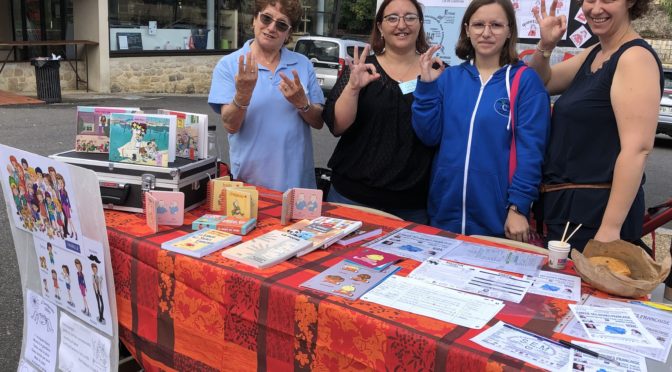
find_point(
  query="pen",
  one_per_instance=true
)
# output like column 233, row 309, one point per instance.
column 587, row 351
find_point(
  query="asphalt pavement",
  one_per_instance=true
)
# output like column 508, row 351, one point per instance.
column 49, row 129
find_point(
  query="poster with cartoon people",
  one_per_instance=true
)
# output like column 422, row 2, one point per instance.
column 40, row 199
column 75, row 280
column 348, row 280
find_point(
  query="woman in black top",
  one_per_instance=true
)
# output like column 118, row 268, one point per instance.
column 603, row 126
column 379, row 162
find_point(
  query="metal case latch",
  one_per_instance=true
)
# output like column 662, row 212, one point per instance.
column 148, row 182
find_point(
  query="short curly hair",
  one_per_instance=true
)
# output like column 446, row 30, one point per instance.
column 291, row 8
column 638, row 8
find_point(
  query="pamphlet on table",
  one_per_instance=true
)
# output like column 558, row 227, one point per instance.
column 552, row 284
column 445, row 304
column 366, row 231
column 415, row 245
column 613, row 359
column 371, row 258
column 472, row 279
column 347, row 280
column 497, row 258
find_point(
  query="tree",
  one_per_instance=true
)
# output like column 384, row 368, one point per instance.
column 356, row 17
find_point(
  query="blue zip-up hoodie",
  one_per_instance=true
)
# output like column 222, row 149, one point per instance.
column 469, row 187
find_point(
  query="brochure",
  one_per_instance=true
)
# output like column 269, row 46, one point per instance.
column 497, row 258
column 371, row 258
column 563, row 286
column 347, row 280
column 414, row 245
column 610, row 325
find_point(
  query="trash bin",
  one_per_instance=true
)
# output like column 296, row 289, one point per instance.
column 48, row 79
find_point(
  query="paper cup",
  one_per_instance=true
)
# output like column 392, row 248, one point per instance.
column 557, row 254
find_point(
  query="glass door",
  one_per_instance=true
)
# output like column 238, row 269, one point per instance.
column 40, row 20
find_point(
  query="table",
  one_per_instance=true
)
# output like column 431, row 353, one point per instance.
column 180, row 313
column 32, row 43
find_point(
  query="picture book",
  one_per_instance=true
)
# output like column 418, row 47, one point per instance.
column 242, row 202
column 371, row 258
column 366, row 231
column 166, row 206
column 93, row 127
column 216, row 194
column 322, row 231
column 192, row 134
column 298, row 204
column 347, row 280
column 267, row 250
column 150, row 212
column 238, row 226
column 146, row 139
column 201, row 243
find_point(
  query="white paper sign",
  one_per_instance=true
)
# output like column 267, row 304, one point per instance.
column 626, row 361
column 81, row 349
column 611, row 325
column 414, row 245
column 41, row 331
column 563, row 286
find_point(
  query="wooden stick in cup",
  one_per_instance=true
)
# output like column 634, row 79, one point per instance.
column 565, row 233
column 572, row 234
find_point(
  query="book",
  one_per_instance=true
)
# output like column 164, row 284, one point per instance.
column 267, row 250
column 298, row 204
column 216, row 193
column 371, row 258
column 165, row 207
column 347, row 280
column 238, row 226
column 366, row 231
column 242, row 202
column 146, row 139
column 93, row 127
column 322, row 231
column 201, row 243
column 192, row 134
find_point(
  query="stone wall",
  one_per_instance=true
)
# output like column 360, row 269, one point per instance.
column 174, row 74
column 19, row 77
column 664, row 50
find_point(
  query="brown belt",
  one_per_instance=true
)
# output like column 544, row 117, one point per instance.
column 564, row 186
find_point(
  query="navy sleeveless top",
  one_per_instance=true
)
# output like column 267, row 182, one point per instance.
column 584, row 145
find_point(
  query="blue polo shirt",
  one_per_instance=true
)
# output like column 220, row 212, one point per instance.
column 273, row 147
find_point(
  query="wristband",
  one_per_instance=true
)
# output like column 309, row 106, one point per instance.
column 544, row 52
column 242, row 107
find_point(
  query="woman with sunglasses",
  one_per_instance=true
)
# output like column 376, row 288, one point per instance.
column 269, row 98
column 603, row 125
column 378, row 161
column 465, row 110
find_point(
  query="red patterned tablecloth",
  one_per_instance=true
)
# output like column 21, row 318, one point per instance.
column 186, row 314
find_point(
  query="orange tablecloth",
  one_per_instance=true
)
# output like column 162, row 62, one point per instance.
column 186, row 314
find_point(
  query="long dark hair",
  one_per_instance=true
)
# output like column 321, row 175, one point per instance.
column 377, row 42
column 466, row 51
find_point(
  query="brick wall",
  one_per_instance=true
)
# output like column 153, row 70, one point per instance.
column 664, row 49
column 20, row 77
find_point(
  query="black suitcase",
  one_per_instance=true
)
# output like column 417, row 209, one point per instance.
column 122, row 184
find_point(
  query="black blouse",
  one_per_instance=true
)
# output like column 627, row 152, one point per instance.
column 379, row 161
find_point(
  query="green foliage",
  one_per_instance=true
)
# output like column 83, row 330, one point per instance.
column 357, row 16
column 667, row 7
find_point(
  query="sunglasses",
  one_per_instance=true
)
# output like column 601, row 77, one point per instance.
column 280, row 25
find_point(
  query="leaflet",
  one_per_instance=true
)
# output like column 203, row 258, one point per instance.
column 415, row 245
column 472, row 279
column 563, row 286
column 657, row 322
column 436, row 302
column 613, row 325
column 497, row 258
column 626, row 360
column 526, row 346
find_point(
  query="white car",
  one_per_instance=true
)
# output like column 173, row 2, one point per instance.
column 329, row 56
column 665, row 115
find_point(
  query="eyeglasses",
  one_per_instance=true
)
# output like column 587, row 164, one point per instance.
column 409, row 19
column 496, row 28
column 280, row 25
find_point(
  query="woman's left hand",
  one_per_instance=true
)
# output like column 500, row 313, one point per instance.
column 517, row 227
column 293, row 90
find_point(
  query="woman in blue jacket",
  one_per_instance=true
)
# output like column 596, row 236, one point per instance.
column 464, row 110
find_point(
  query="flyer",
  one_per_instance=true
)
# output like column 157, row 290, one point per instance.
column 611, row 325
column 627, row 362
column 414, row 245
column 552, row 284
column 41, row 331
column 80, row 349
column 497, row 258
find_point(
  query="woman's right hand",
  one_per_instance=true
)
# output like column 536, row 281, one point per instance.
column 427, row 72
column 361, row 73
column 552, row 27
column 246, row 79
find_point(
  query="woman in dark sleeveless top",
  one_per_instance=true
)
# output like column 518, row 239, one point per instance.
column 603, row 126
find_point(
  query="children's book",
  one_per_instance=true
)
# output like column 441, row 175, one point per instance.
column 192, row 134
column 238, row 226
column 366, row 231
column 201, row 243
column 166, row 207
column 242, row 202
column 146, row 139
column 93, row 127
column 322, row 231
column 267, row 250
column 347, row 280
column 371, row 258
column 216, row 194
column 298, row 204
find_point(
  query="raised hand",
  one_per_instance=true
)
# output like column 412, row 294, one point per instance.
column 293, row 90
column 361, row 73
column 427, row 73
column 246, row 79
column 551, row 26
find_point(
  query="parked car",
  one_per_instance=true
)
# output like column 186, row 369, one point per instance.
column 329, row 56
column 665, row 115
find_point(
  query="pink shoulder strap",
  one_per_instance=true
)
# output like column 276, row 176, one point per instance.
column 513, row 160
